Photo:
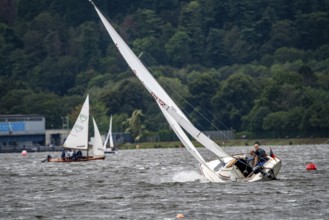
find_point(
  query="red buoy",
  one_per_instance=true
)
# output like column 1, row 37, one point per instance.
column 310, row 166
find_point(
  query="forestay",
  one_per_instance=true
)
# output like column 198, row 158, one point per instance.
column 197, row 134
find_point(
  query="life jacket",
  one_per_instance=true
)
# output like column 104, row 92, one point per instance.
column 261, row 154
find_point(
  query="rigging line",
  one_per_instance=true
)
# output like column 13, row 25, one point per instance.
column 167, row 86
column 195, row 109
column 189, row 104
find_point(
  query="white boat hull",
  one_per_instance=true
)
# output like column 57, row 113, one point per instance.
column 238, row 170
column 108, row 151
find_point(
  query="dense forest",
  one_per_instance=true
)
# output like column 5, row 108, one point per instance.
column 259, row 67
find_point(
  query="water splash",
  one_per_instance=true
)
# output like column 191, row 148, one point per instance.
column 188, row 176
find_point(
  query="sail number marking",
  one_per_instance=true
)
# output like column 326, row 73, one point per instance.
column 162, row 103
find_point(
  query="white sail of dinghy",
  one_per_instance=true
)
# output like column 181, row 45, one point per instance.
column 97, row 149
column 109, row 137
column 78, row 137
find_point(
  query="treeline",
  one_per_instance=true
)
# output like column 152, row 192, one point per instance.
column 258, row 67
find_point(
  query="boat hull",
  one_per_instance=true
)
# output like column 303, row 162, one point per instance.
column 67, row 160
column 233, row 171
column 109, row 151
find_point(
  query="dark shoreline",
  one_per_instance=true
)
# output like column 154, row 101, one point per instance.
column 177, row 144
column 227, row 143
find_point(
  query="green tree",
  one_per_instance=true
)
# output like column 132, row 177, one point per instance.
column 274, row 121
column 284, row 54
column 46, row 104
column 239, row 49
column 283, row 34
column 253, row 121
column 309, row 78
column 127, row 97
column 59, row 76
column 134, row 124
column 147, row 24
column 152, row 46
column 313, row 29
column 215, row 53
column 190, row 21
column 234, row 99
column 202, row 89
column 178, row 49
column 12, row 101
column 89, row 45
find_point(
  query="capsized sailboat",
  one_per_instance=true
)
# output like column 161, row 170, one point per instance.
column 77, row 140
column 224, row 169
column 109, row 138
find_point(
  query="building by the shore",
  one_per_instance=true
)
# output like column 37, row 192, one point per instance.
column 28, row 132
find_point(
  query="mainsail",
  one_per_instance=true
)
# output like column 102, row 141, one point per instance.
column 159, row 94
column 149, row 82
column 98, row 149
column 78, row 137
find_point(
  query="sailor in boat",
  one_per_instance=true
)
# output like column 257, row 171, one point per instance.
column 260, row 158
column 79, row 154
column 260, row 155
column 63, row 154
column 74, row 155
column 70, row 154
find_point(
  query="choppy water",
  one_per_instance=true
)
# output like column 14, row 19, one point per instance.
column 159, row 184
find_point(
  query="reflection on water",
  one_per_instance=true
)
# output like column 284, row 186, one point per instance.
column 159, row 184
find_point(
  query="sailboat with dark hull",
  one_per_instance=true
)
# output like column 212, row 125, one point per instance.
column 227, row 167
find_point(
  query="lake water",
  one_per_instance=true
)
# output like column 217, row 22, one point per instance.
column 159, row 184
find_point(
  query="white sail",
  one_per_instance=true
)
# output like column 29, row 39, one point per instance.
column 150, row 84
column 183, row 138
column 97, row 149
column 78, row 137
column 215, row 170
column 109, row 136
column 110, row 132
column 197, row 134
column 136, row 65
